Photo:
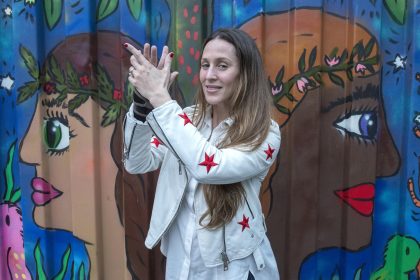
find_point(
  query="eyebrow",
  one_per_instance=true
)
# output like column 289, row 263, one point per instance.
column 370, row 91
column 63, row 105
column 218, row 59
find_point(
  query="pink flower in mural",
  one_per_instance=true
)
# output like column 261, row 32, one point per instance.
column 117, row 94
column 332, row 61
column 276, row 89
column 302, row 84
column 360, row 68
column 49, row 88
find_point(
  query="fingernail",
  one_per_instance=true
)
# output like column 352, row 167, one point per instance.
column 171, row 54
column 125, row 45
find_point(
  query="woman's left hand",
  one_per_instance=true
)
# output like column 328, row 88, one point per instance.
column 150, row 81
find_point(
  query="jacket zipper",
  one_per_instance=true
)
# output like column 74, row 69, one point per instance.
column 225, row 258
column 179, row 171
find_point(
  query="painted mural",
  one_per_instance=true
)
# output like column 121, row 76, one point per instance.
column 342, row 200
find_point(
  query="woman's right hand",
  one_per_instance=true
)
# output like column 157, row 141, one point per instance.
column 150, row 81
column 150, row 53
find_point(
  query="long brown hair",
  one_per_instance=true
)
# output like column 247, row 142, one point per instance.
column 250, row 106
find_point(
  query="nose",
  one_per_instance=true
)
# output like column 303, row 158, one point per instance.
column 211, row 73
column 32, row 146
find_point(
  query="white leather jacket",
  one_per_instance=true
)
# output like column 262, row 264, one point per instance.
column 169, row 141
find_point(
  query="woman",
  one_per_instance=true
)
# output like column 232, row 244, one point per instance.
column 213, row 158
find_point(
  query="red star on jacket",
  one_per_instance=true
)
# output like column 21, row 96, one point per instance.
column 156, row 142
column 186, row 118
column 269, row 152
column 244, row 223
column 208, row 162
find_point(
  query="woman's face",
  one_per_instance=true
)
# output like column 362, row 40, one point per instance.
column 65, row 152
column 219, row 72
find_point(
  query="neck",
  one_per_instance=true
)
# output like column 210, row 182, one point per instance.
column 219, row 113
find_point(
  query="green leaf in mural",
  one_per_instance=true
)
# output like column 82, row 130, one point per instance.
column 333, row 52
column 358, row 274
column 52, row 11
column 283, row 109
column 301, row 63
column 55, row 70
column 71, row 76
column 349, row 74
column 77, row 101
column 336, row 79
column 369, row 47
column 105, row 86
column 290, row 97
column 135, row 8
column 9, row 173
column 105, row 8
column 30, row 62
column 39, row 259
column 82, row 272
column 27, row 91
column 397, row 9
column 129, row 92
column 17, row 194
column 344, row 55
column 318, row 78
column 312, row 58
column 111, row 114
column 280, row 75
column 64, row 264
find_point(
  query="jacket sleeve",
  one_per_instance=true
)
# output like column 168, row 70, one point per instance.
column 143, row 152
column 207, row 163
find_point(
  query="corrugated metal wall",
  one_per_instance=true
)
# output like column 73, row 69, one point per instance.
column 341, row 202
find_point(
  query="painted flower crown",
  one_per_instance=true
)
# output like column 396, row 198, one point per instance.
column 358, row 61
column 61, row 83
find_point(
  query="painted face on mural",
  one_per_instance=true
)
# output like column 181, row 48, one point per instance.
column 56, row 144
column 335, row 143
column 219, row 72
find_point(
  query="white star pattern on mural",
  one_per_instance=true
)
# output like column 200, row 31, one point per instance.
column 7, row 82
column 399, row 62
column 7, row 11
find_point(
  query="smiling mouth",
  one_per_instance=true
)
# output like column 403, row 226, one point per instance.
column 212, row 88
column 359, row 197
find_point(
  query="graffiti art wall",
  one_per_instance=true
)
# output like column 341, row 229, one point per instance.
column 342, row 200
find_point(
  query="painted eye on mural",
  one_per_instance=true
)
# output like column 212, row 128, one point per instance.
column 56, row 134
column 363, row 125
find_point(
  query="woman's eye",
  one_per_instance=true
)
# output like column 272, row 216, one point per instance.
column 204, row 66
column 56, row 135
column 363, row 125
column 222, row 66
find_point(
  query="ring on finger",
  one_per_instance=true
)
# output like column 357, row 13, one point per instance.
column 130, row 71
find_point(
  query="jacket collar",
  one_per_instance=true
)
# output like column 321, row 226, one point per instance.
column 208, row 119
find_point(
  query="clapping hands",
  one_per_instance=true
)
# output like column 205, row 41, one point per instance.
column 151, row 78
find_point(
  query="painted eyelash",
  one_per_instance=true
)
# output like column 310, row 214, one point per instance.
column 360, row 139
column 58, row 116
column 357, row 111
column 57, row 153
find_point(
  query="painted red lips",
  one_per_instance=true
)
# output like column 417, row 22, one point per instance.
column 359, row 197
